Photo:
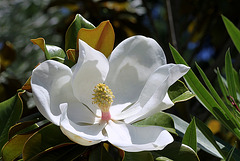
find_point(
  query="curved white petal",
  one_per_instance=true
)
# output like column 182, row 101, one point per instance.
column 133, row 139
column 131, row 63
column 152, row 96
column 92, row 68
column 82, row 133
column 80, row 113
column 166, row 103
column 51, row 86
column 116, row 110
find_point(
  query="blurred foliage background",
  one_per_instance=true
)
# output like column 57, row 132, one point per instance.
column 193, row 27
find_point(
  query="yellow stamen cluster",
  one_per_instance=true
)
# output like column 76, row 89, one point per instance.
column 103, row 97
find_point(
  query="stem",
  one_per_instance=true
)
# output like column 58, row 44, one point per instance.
column 171, row 23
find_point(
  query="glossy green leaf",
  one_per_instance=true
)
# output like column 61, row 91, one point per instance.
column 72, row 31
column 233, row 32
column 159, row 119
column 23, row 127
column 48, row 137
column 66, row 152
column 99, row 153
column 177, row 152
column 55, row 53
column 209, row 135
column 51, row 52
column 190, row 136
column 230, row 76
column 204, row 97
column 202, row 142
column 138, row 156
column 13, row 149
column 211, row 88
column 216, row 96
column 222, row 86
column 10, row 113
column 178, row 92
column 237, row 80
column 194, row 84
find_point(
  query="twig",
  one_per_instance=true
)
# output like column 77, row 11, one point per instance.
column 171, row 24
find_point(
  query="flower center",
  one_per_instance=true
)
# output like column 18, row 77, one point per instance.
column 103, row 97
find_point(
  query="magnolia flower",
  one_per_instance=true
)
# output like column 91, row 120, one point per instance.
column 98, row 99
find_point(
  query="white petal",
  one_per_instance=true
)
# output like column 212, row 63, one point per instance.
column 50, row 83
column 131, row 63
column 133, row 139
column 80, row 113
column 82, row 133
column 155, row 90
column 116, row 110
column 91, row 69
column 166, row 103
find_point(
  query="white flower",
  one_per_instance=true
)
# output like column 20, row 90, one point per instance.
column 79, row 101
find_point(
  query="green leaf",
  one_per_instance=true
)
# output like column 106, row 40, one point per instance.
column 99, row 153
column 48, row 137
column 190, row 136
column 51, row 52
column 216, row 96
column 72, row 31
column 237, row 80
column 222, row 86
column 159, row 119
column 138, row 156
column 10, row 113
column 194, row 84
column 204, row 97
column 66, row 152
column 22, row 127
column 230, row 76
column 13, row 149
column 233, row 32
column 177, row 152
column 209, row 135
column 55, row 53
column 211, row 89
column 178, row 92
column 202, row 141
